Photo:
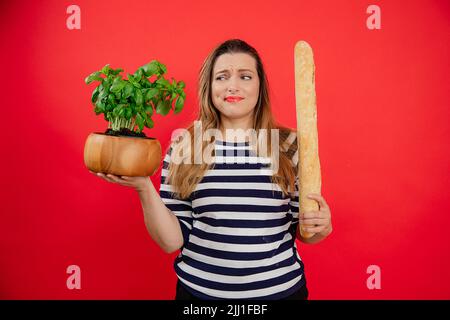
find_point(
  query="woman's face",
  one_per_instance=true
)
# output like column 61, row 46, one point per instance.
column 235, row 85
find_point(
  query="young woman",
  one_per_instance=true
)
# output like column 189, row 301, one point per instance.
column 221, row 202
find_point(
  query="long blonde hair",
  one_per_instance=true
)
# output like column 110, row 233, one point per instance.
column 184, row 177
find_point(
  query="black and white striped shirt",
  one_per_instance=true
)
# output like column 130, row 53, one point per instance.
column 238, row 228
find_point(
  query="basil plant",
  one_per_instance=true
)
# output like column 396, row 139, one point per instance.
column 130, row 103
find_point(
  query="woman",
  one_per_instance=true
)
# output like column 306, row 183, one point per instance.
column 235, row 222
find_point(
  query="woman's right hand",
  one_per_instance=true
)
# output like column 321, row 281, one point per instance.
column 138, row 183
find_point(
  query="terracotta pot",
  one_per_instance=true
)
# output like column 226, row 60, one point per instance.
column 122, row 155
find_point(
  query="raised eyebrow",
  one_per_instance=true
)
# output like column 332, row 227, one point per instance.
column 228, row 71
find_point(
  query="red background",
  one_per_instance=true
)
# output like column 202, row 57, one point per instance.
column 382, row 99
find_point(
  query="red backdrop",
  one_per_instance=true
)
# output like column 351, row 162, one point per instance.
column 382, row 99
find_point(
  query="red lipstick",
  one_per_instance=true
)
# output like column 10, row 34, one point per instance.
column 233, row 99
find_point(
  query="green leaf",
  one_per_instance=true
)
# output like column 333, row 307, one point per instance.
column 162, row 67
column 103, row 94
column 181, row 85
column 107, row 85
column 128, row 113
column 163, row 107
column 128, row 90
column 95, row 94
column 140, row 121
column 149, row 123
column 134, row 81
column 111, row 99
column 149, row 109
column 116, row 72
column 179, row 104
column 117, row 85
column 94, row 76
column 99, row 108
column 145, row 83
column 152, row 92
column 138, row 97
column 110, row 107
column 106, row 69
column 138, row 74
column 151, row 68
column 163, row 82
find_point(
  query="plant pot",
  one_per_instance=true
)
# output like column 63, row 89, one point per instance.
column 122, row 155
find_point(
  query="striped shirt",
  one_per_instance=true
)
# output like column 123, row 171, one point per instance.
column 238, row 229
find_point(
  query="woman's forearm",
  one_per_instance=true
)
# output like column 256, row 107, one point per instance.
column 161, row 223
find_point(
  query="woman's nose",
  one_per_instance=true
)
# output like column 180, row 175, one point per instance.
column 233, row 85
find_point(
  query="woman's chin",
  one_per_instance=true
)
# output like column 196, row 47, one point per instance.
column 235, row 115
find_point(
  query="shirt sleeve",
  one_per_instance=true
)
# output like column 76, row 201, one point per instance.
column 182, row 208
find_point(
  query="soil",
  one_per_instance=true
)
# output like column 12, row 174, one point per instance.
column 125, row 132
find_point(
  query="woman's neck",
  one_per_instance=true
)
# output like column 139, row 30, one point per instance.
column 236, row 129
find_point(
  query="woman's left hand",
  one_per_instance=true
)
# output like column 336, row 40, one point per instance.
column 317, row 221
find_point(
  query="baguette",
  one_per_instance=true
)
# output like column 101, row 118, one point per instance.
column 307, row 136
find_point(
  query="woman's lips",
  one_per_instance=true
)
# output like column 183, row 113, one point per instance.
column 233, row 99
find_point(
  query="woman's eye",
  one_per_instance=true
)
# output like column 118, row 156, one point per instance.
column 242, row 77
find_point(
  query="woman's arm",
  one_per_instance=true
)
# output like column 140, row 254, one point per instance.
column 161, row 223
